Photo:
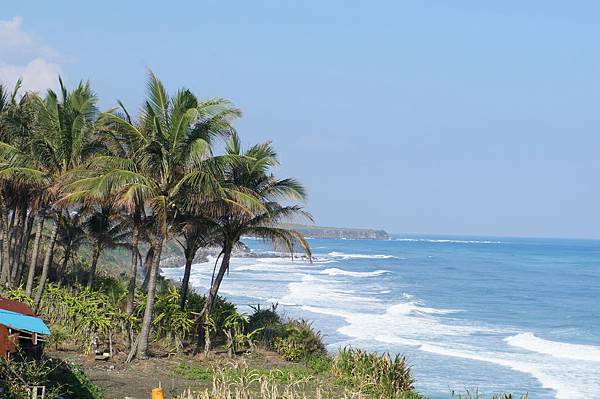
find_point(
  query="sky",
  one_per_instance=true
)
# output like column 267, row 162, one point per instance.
column 430, row 117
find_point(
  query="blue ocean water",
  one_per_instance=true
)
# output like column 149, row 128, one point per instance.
column 501, row 315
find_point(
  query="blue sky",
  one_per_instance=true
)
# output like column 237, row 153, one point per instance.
column 441, row 117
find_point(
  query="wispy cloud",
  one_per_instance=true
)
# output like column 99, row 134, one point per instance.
column 25, row 56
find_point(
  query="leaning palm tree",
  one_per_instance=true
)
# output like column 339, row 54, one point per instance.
column 250, row 172
column 170, row 144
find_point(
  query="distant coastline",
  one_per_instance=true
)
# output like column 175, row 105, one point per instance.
column 340, row 233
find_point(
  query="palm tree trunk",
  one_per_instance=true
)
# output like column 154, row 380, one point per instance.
column 24, row 250
column 95, row 256
column 142, row 349
column 147, row 266
column 133, row 271
column 4, row 277
column 63, row 268
column 128, row 336
column 185, row 283
column 35, row 253
column 19, row 244
column 46, row 265
column 214, row 289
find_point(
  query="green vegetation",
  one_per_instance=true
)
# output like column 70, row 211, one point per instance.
column 379, row 375
column 81, row 190
column 90, row 317
column 78, row 182
column 17, row 377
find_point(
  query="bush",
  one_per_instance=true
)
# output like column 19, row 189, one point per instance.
column 16, row 378
column 301, row 341
column 374, row 374
column 295, row 340
column 269, row 323
column 60, row 378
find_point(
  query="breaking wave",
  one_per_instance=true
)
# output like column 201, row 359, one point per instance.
column 339, row 272
column 562, row 350
column 343, row 255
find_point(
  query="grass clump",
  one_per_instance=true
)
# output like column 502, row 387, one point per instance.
column 377, row 375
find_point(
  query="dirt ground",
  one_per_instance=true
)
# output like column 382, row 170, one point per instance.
column 136, row 380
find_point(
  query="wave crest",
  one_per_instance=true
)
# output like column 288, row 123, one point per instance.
column 359, row 256
column 563, row 350
column 339, row 272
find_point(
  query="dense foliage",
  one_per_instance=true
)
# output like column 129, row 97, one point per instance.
column 75, row 182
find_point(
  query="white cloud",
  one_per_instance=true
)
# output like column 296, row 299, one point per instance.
column 22, row 55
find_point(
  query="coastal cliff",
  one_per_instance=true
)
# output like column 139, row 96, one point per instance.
column 339, row 232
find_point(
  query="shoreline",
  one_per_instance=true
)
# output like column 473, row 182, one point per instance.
column 540, row 376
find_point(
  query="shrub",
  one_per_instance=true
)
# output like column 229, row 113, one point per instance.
column 269, row 323
column 16, row 378
column 374, row 374
column 300, row 342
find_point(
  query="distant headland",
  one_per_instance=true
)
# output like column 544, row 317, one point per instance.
column 343, row 233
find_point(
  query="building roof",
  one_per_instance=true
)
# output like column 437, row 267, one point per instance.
column 21, row 322
column 17, row 307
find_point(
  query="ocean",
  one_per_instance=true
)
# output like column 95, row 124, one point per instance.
column 493, row 314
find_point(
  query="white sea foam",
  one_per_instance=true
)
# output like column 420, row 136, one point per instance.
column 568, row 369
column 568, row 380
column 339, row 272
column 343, row 255
column 563, row 350
column 403, row 323
column 448, row 241
column 312, row 290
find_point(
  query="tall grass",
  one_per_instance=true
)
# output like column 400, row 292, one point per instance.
column 381, row 376
column 476, row 395
column 243, row 383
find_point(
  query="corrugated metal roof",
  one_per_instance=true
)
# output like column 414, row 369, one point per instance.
column 17, row 307
column 22, row 322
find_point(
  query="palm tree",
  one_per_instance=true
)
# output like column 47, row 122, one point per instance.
column 20, row 182
column 169, row 145
column 105, row 229
column 195, row 232
column 64, row 140
column 250, row 172
column 71, row 236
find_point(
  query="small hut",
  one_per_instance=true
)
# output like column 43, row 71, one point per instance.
column 20, row 329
